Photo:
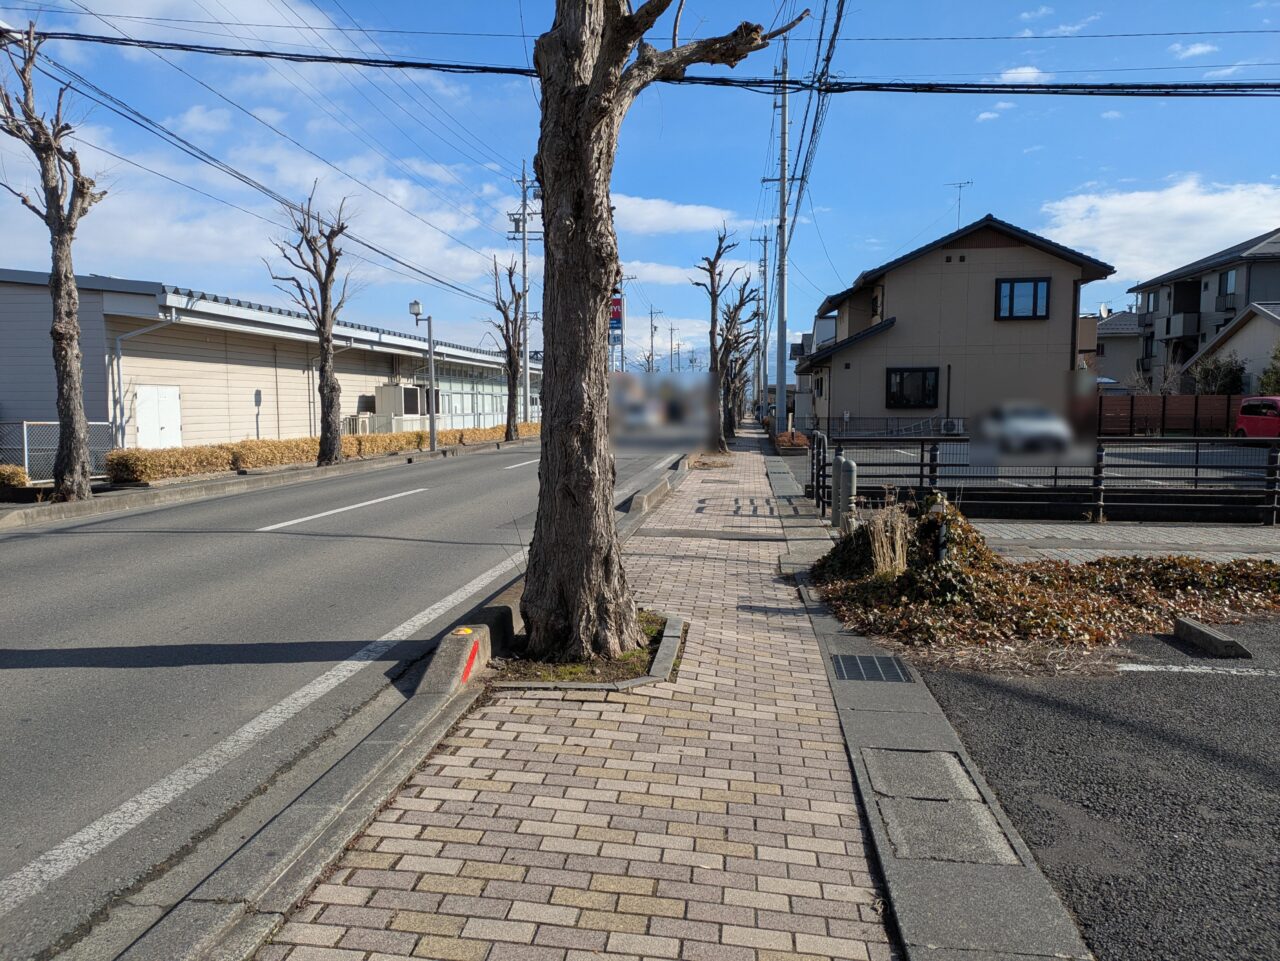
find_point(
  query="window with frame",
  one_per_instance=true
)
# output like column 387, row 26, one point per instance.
column 1226, row 283
column 911, row 387
column 1153, row 301
column 1022, row 299
column 1102, row 349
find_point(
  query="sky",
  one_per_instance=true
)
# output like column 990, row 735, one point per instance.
column 428, row 162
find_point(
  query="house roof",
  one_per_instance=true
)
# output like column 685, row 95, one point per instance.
column 1265, row 311
column 1263, row 247
column 806, row 364
column 1097, row 267
column 1121, row 324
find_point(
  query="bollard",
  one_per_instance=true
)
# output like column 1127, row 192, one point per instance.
column 837, row 483
column 849, row 495
column 1099, row 467
column 933, row 465
column 1273, row 485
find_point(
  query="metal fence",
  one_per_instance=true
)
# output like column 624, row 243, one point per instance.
column 1207, row 473
column 839, row 427
column 33, row 444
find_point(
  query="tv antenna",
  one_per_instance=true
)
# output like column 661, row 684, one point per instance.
column 960, row 197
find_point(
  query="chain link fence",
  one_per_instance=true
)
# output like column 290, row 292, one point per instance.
column 33, row 445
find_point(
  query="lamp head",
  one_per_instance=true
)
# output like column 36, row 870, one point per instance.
column 415, row 308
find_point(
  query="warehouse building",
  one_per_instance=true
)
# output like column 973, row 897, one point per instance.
column 168, row 367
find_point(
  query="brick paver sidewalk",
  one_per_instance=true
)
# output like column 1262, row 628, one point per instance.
column 1077, row 542
column 708, row 819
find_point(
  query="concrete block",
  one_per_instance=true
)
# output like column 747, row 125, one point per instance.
column 1208, row 639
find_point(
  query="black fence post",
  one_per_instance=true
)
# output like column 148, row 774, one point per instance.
column 1195, row 483
column 1133, row 400
column 1195, row 418
column 1098, row 467
column 933, row 465
column 1273, row 489
column 1164, row 412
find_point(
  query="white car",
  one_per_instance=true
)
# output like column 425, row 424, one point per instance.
column 1025, row 429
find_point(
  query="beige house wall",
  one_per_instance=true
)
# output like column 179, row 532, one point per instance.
column 1120, row 362
column 238, row 387
column 945, row 315
column 1253, row 343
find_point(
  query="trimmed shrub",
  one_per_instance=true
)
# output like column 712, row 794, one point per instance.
column 374, row 444
column 12, row 476
column 251, row 454
column 139, row 465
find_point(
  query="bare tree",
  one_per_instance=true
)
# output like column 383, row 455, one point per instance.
column 593, row 63
column 508, row 303
column 68, row 195
column 736, row 349
column 312, row 249
column 715, row 285
column 646, row 364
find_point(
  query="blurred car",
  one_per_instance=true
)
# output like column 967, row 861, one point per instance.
column 1258, row 417
column 1023, row 428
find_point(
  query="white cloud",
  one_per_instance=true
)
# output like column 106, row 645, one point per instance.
column 987, row 115
column 653, row 215
column 1147, row 232
column 1230, row 71
column 197, row 120
column 647, row 272
column 1037, row 14
column 1005, row 105
column 1112, row 115
column 1187, row 51
column 1071, row 29
column 1025, row 74
column 1035, row 148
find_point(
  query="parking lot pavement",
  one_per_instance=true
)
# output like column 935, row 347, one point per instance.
column 1078, row 541
column 1149, row 798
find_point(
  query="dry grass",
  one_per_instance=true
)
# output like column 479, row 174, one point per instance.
column 710, row 461
column 978, row 611
column 140, row 465
column 792, row 439
column 12, row 476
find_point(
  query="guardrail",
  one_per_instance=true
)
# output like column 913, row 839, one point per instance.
column 1144, row 475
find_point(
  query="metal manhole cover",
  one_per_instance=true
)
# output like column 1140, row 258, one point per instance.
column 864, row 667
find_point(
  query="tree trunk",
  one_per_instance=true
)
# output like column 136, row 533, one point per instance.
column 513, row 398
column 716, row 443
column 576, row 603
column 72, row 466
column 330, row 405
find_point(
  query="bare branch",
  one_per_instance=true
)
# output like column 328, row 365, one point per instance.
column 675, row 27
column 26, row 202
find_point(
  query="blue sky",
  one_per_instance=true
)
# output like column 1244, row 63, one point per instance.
column 1143, row 184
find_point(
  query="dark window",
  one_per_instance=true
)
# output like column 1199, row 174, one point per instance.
column 848, row 366
column 1226, row 283
column 1102, row 349
column 948, row 258
column 911, row 387
column 1022, row 299
column 1153, row 301
column 1168, row 326
column 1254, row 409
column 962, row 258
column 817, row 387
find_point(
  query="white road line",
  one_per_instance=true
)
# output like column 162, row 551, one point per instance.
column 522, row 464
column 89, row 841
column 339, row 510
column 1197, row 669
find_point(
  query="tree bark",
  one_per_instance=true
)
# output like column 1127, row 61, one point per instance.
column 576, row 602
column 513, row 407
column 330, row 403
column 72, row 466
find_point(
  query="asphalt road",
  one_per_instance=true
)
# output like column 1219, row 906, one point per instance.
column 1150, row 800
column 132, row 644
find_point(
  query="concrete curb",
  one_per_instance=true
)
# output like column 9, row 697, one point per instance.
column 166, row 495
column 960, row 880
column 660, row 670
column 1208, row 639
column 646, row 500
column 247, row 897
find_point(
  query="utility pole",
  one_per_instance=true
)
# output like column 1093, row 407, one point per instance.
column 671, row 348
column 653, row 329
column 784, row 183
column 762, row 322
column 960, row 197
column 520, row 224
column 679, row 345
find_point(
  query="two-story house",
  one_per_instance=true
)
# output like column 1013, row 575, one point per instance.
column 1182, row 310
column 986, row 314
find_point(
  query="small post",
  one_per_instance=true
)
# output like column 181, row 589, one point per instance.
column 1195, row 483
column 1195, row 416
column 1273, row 488
column 940, row 508
column 820, row 497
column 1133, row 399
column 849, row 489
column 1164, row 412
column 26, row 450
column 1098, row 465
column 933, row 465
column 837, row 488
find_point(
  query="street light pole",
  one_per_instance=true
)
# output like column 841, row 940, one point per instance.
column 415, row 308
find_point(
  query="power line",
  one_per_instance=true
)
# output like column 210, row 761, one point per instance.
column 768, row 85
column 523, row 35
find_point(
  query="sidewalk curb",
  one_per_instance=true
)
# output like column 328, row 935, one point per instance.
column 167, row 495
column 960, row 880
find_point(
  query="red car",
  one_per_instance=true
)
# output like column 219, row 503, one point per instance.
column 1258, row 417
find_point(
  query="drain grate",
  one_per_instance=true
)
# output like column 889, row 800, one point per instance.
column 864, row 667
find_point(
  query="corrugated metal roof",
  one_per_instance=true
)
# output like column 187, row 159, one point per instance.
column 1255, row 248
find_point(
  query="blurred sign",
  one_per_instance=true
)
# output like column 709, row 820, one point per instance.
column 615, row 320
column 615, row 338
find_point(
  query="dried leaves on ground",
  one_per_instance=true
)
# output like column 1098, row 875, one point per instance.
column 977, row 610
column 710, row 461
column 630, row 664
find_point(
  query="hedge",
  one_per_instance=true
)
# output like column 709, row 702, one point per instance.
column 12, row 476
column 135, row 465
